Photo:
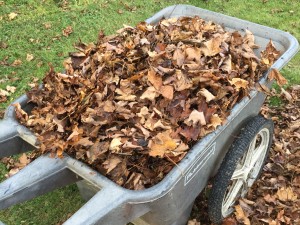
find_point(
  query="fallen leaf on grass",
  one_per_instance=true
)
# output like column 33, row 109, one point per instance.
column 4, row 93
column 29, row 57
column 11, row 89
column 67, row 31
column 47, row 25
column 17, row 62
column 12, row 15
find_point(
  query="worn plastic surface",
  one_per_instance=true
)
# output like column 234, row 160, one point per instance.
column 170, row 201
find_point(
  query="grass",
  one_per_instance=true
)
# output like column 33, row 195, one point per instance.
column 27, row 34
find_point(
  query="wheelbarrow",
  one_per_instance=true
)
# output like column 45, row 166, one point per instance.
column 234, row 153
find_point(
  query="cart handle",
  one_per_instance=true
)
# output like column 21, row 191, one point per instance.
column 15, row 138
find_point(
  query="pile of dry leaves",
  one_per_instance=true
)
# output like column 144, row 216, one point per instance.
column 132, row 104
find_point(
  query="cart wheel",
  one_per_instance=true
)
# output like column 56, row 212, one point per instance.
column 241, row 166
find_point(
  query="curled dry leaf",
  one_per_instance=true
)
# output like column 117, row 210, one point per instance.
column 239, row 83
column 12, row 15
column 208, row 96
column 275, row 74
column 29, row 57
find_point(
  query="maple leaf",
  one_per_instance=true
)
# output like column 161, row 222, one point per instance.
column 275, row 74
column 20, row 113
column 17, row 62
column 161, row 144
column 249, row 39
column 4, row 92
column 24, row 160
column 215, row 121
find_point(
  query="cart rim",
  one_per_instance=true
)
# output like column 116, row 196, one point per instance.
column 247, row 170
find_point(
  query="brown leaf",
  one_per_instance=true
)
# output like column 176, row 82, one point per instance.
column 207, row 94
column 287, row 95
column 67, row 31
column 275, row 74
column 11, row 89
column 150, row 94
column 167, row 91
column 211, row 47
column 193, row 222
column 239, row 83
column 115, row 144
column 286, row 194
column 17, row 62
column 195, row 118
column 154, row 79
column 24, row 160
column 111, row 163
column 240, row 215
column 215, row 121
column 12, row 15
column 161, row 144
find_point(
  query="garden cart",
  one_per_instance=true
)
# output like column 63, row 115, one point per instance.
column 234, row 154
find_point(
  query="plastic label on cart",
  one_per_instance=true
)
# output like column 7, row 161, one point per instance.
column 199, row 163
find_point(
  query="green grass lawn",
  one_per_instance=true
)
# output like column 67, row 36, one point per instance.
column 37, row 29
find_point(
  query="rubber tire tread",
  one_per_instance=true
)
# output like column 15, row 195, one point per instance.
column 229, row 163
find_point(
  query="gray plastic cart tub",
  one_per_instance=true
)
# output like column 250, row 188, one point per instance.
column 170, row 201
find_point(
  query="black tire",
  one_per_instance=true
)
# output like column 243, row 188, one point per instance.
column 237, row 156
